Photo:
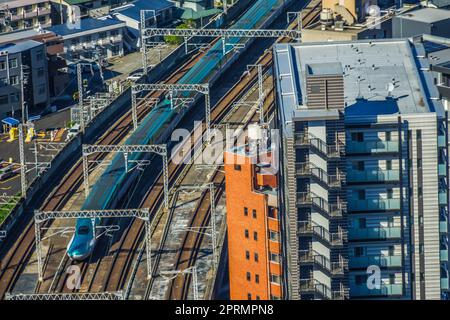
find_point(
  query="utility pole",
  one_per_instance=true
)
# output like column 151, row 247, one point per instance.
column 80, row 96
column 23, row 178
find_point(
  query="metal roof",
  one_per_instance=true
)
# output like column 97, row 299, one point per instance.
column 86, row 24
column 10, row 121
column 20, row 47
column 133, row 10
column 427, row 15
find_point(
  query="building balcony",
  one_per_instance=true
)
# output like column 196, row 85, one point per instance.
column 385, row 290
column 379, row 260
column 312, row 286
column 373, row 176
column 372, row 147
column 309, row 229
column 443, row 197
column 444, row 284
column 444, row 255
column 374, row 204
column 443, row 226
column 374, row 233
column 442, row 169
column 311, row 199
column 442, row 141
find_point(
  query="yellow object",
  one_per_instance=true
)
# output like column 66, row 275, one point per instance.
column 30, row 135
column 10, row 160
column 13, row 134
column 75, row 95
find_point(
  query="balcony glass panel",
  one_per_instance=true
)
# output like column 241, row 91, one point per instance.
column 371, row 147
column 373, row 175
column 444, row 283
column 384, row 290
column 441, row 141
column 443, row 226
column 374, row 233
column 443, row 197
column 444, row 255
column 442, row 169
column 378, row 260
column 374, row 204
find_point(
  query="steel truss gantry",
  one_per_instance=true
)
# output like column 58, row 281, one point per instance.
column 66, row 296
column 143, row 46
column 212, row 228
column 192, row 270
column 222, row 33
column 125, row 149
column 261, row 95
column 202, row 88
column 41, row 216
column 23, row 166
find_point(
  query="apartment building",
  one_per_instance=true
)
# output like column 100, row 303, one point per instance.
column 255, row 264
column 93, row 36
column 27, row 60
column 363, row 184
column 24, row 14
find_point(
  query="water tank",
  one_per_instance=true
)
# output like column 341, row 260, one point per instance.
column 326, row 17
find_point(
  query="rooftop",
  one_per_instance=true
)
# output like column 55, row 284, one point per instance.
column 427, row 15
column 322, row 69
column 86, row 24
column 22, row 34
column 133, row 10
column 19, row 47
column 380, row 76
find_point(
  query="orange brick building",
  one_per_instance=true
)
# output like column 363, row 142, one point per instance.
column 254, row 246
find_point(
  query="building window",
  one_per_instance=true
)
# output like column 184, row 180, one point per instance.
column 41, row 89
column 419, row 134
column 247, row 255
column 273, row 213
column 362, row 223
column 88, row 38
column 13, row 63
column 102, row 35
column 3, row 82
column 255, row 236
column 249, row 296
column 388, row 164
column 273, row 236
column 237, row 167
column 249, row 276
column 360, row 279
column 419, row 163
column 274, row 278
column 74, row 42
column 4, row 99
column 358, row 251
column 272, row 297
column 14, row 97
column 390, row 193
column 274, row 257
column 391, row 251
column 256, row 257
column 359, row 165
column 257, row 298
column 257, row 278
column 392, row 279
column 40, row 72
column 388, row 136
column 2, row 65
column 114, row 33
column 246, row 233
column 361, row 194
column 14, row 80
column 357, row 136
column 245, row 211
column 254, row 213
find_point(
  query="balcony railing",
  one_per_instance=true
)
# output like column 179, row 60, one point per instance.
column 444, row 284
column 308, row 139
column 374, row 233
column 442, row 169
column 334, row 268
column 309, row 198
column 443, row 226
column 373, row 175
column 444, row 255
column 374, row 204
column 441, row 141
column 372, row 147
column 378, row 260
column 308, row 228
column 442, row 197
column 305, row 168
column 384, row 290
column 315, row 287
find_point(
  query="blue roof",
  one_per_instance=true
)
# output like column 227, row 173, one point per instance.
column 21, row 46
column 86, row 24
column 133, row 10
column 10, row 121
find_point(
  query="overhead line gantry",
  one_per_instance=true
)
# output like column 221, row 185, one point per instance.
column 66, row 296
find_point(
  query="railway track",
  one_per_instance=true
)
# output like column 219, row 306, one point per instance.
column 16, row 258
